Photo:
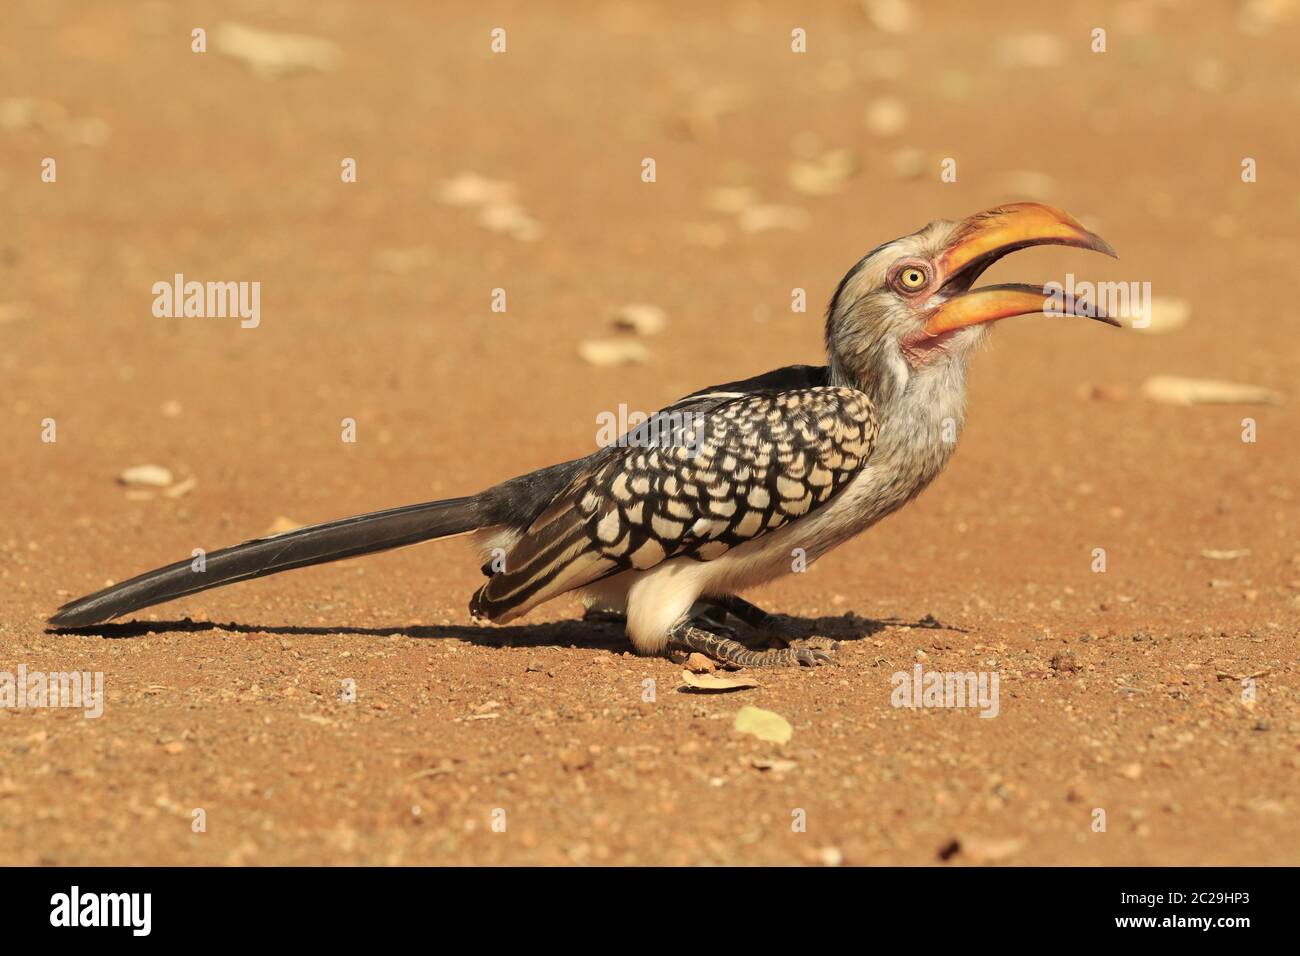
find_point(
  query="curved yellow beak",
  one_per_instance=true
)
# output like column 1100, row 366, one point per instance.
column 988, row 236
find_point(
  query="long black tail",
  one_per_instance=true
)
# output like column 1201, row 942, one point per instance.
column 316, row 544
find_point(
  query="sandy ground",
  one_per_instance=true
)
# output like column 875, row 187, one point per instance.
column 1120, row 691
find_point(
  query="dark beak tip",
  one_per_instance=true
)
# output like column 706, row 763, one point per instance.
column 1098, row 244
column 1101, row 315
column 1101, row 245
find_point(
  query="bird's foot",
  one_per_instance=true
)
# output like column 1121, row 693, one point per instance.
column 730, row 651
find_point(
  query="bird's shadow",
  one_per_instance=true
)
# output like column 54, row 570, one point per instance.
column 606, row 634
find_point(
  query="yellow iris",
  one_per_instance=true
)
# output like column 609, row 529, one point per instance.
column 912, row 278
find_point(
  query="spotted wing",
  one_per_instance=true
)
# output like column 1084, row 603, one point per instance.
column 688, row 483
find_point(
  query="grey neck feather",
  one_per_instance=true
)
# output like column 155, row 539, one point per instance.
column 921, row 410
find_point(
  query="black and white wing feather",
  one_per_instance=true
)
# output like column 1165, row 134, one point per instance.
column 701, row 477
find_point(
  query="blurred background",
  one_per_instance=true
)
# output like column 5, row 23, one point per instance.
column 522, row 170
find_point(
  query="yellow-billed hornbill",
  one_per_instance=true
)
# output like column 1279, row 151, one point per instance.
column 742, row 480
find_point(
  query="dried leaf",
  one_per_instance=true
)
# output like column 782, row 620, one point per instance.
column 1229, row 555
column 1224, row 675
column 712, row 682
column 764, row 725
column 1162, row 314
column 182, row 489
column 641, row 318
column 608, row 353
column 280, row 525
column 273, row 55
column 990, row 849
column 773, row 763
column 152, row 476
column 511, row 219
column 1176, row 390
column 891, row 16
column 470, row 189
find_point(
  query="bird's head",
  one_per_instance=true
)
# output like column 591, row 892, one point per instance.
column 908, row 309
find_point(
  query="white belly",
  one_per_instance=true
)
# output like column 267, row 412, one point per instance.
column 916, row 439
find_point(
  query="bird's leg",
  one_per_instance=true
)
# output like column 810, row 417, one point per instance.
column 764, row 623
column 751, row 614
column 686, row 634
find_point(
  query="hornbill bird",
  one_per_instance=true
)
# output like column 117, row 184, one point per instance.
column 669, row 523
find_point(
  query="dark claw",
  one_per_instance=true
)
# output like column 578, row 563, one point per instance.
column 814, row 656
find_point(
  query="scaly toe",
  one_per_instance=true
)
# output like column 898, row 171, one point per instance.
column 815, row 656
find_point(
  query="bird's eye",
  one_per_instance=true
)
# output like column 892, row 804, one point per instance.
column 912, row 278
